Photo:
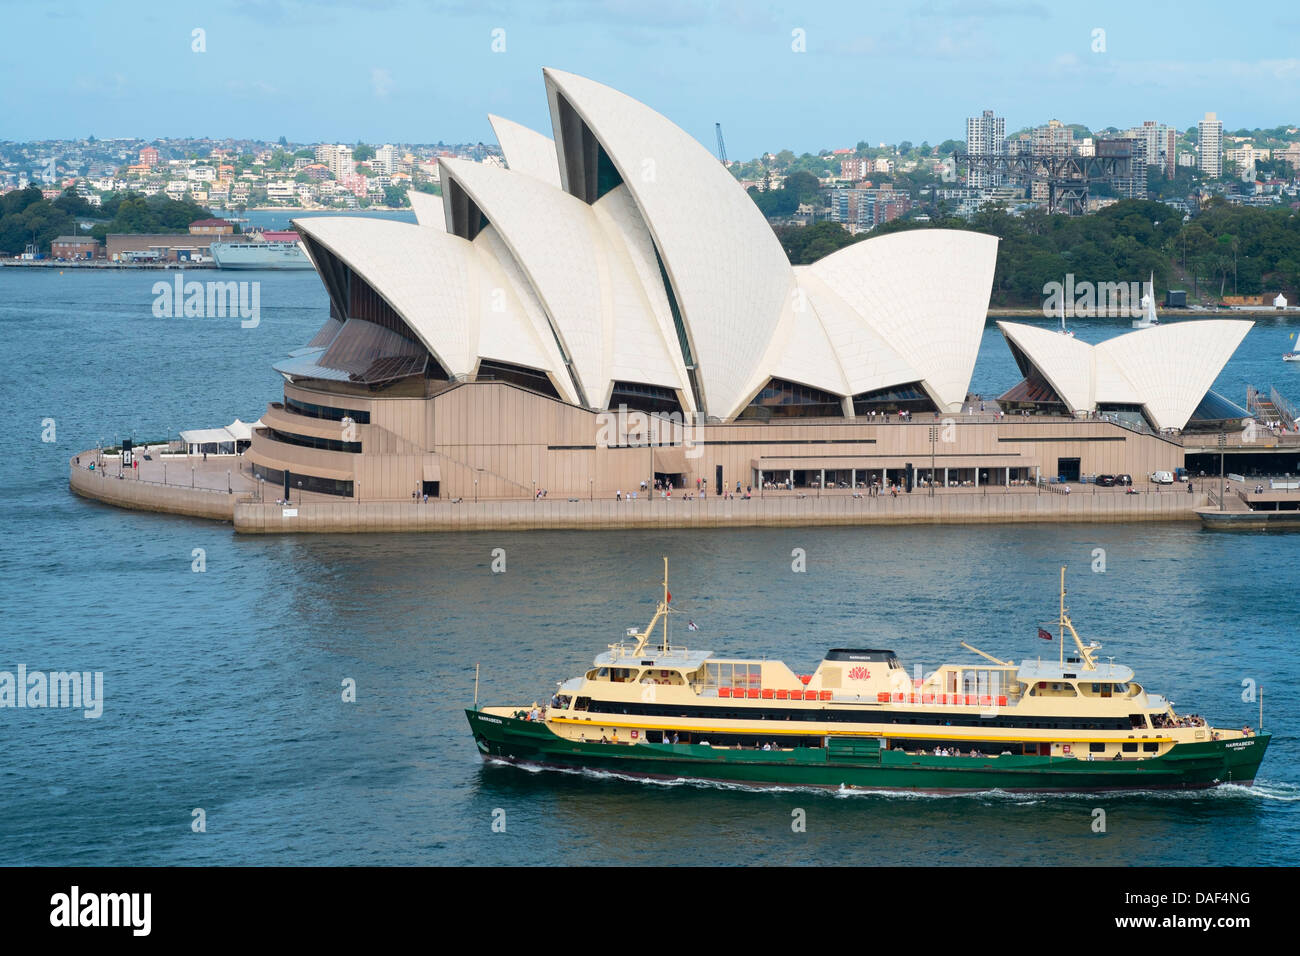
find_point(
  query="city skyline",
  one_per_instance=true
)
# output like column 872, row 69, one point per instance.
column 776, row 76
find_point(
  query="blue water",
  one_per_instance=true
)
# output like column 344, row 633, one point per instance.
column 223, row 688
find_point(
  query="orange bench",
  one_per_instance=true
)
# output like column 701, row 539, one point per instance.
column 825, row 695
column 724, row 691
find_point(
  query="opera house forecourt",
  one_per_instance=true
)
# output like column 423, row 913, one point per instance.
column 609, row 325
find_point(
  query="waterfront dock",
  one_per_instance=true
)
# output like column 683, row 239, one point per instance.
column 221, row 489
column 1252, row 506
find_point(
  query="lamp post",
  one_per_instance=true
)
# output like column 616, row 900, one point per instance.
column 191, row 476
column 229, row 490
column 934, row 437
column 300, row 492
column 475, row 491
column 1223, row 487
column 591, row 489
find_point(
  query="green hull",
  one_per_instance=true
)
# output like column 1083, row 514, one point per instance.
column 859, row 763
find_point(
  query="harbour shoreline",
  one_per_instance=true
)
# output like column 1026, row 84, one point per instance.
column 955, row 507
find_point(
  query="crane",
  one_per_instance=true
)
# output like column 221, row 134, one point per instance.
column 722, row 147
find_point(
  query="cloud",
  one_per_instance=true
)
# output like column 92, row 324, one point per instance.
column 381, row 82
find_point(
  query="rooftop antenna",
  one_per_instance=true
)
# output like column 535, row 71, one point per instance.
column 1084, row 652
column 661, row 611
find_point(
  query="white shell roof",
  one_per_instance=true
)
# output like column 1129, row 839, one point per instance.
column 512, row 326
column 424, row 274
column 581, row 276
column 1065, row 361
column 1166, row 369
column 527, row 151
column 618, row 215
column 729, row 274
column 551, row 276
column 1173, row 366
column 926, row 293
column 427, row 208
column 868, row 361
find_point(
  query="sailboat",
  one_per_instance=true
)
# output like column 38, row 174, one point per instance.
column 1294, row 354
column 1148, row 319
column 1063, row 330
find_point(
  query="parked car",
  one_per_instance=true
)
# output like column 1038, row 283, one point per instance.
column 1124, row 480
column 1106, row 481
column 1162, row 477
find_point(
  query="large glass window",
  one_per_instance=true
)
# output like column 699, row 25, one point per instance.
column 910, row 397
column 325, row 411
column 299, row 481
column 311, row 441
column 646, row 398
column 529, row 378
column 782, row 399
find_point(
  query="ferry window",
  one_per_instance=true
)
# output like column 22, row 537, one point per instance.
column 1130, row 748
column 1097, row 748
column 1150, row 748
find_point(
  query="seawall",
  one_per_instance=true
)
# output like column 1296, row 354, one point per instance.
column 149, row 495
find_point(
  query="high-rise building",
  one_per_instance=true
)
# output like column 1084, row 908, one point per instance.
column 1129, row 175
column 985, row 136
column 1161, row 144
column 385, row 160
column 1210, row 136
column 1055, row 139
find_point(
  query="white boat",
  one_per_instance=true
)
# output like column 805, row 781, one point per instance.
column 1148, row 319
column 260, row 255
column 1063, row 330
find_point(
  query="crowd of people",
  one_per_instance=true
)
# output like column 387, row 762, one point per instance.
column 1167, row 722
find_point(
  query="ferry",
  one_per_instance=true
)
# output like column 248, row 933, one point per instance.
column 652, row 708
column 260, row 254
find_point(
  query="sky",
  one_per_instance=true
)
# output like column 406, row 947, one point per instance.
column 777, row 75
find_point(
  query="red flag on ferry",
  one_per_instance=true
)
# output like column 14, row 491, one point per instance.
column 670, row 596
column 1045, row 635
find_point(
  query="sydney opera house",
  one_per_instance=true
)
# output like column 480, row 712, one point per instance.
column 613, row 309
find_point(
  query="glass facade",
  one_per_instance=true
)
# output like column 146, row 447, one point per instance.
column 910, row 397
column 520, row 375
column 325, row 486
column 647, row 398
column 1216, row 413
column 781, row 399
column 325, row 411
column 311, row 441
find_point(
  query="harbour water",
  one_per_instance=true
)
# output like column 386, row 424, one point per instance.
column 223, row 687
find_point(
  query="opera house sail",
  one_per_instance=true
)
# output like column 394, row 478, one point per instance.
column 613, row 311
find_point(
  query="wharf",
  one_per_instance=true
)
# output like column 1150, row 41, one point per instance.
column 220, row 489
